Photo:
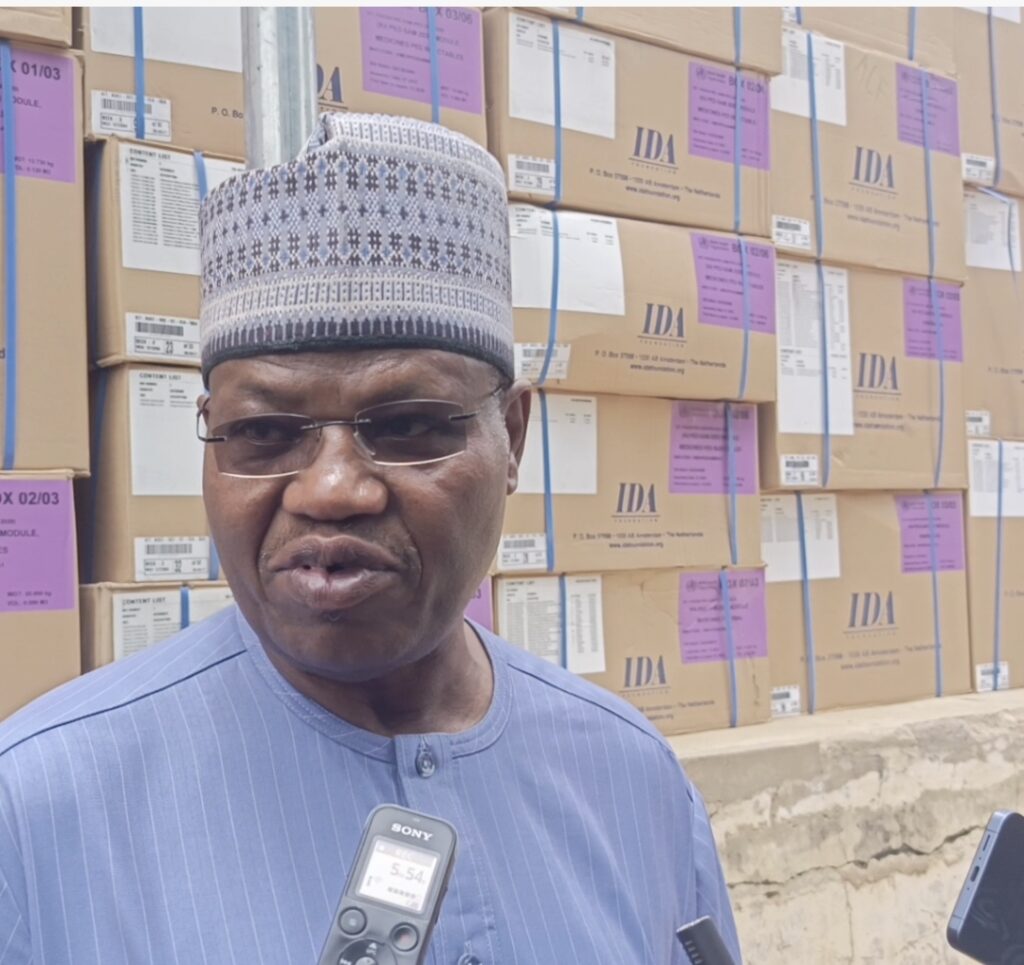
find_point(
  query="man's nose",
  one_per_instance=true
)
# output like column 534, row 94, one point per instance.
column 341, row 482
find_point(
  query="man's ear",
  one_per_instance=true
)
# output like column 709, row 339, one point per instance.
column 517, row 417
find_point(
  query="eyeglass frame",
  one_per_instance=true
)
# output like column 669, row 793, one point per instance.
column 353, row 423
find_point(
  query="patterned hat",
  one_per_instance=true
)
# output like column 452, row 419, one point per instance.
column 385, row 232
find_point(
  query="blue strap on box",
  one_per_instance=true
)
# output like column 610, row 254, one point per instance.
column 819, row 231
column 549, row 502
column 563, row 610
column 140, row 73
column 186, row 606
column 730, row 646
column 933, row 553
column 579, row 14
column 730, row 463
column 435, row 67
column 556, row 262
column 799, row 13
column 737, row 189
column 911, row 33
column 997, row 632
column 557, row 72
column 805, row 587
column 10, row 239
column 993, row 81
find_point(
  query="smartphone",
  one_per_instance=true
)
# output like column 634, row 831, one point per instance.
column 703, row 943
column 987, row 923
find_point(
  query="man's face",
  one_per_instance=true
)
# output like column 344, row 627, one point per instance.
column 350, row 569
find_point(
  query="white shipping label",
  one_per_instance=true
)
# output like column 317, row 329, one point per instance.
column 979, row 423
column 590, row 277
column 171, row 558
column 985, row 677
column 113, row 113
column 799, row 470
column 993, row 232
column 785, row 701
column 166, row 456
column 780, row 537
column 529, row 360
column 572, row 435
column 587, row 76
column 160, row 207
column 798, row 326
column 791, row 232
column 790, row 15
column 208, row 37
column 530, row 616
column 1012, row 14
column 521, row 552
column 162, row 337
column 142, row 619
column 983, row 478
column 531, row 175
column 791, row 90
column 205, row 601
column 979, row 169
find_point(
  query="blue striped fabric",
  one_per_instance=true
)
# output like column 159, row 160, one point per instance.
column 187, row 805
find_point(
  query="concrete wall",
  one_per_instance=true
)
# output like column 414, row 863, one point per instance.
column 846, row 836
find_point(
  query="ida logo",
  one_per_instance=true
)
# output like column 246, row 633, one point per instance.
column 872, row 611
column 636, row 499
column 876, row 373
column 664, row 321
column 873, row 169
column 654, row 147
column 645, row 672
column 329, row 88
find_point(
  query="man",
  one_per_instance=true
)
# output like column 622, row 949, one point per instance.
column 202, row 802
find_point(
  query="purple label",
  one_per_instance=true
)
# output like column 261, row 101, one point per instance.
column 396, row 55
column 943, row 113
column 37, row 546
column 698, row 463
column 44, row 116
column 919, row 331
column 702, row 633
column 720, row 282
column 481, row 608
column 713, row 116
column 915, row 532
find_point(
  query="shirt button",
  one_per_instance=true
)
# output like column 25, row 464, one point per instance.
column 469, row 960
column 425, row 763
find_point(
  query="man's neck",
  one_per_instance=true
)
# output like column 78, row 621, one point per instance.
column 448, row 691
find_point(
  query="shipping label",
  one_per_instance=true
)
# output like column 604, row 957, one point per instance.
column 143, row 619
column 162, row 337
column 572, row 435
column 943, row 116
column 786, row 701
column 790, row 232
column 978, row 423
column 979, row 169
column 712, row 125
column 531, row 175
column 993, row 232
column 985, row 677
column 113, row 114
column 171, row 558
column 698, row 459
column 703, row 636
column 530, row 356
column 780, row 537
column 731, row 281
column 928, row 532
column 921, row 319
column 984, row 482
column 800, row 470
column 791, row 90
column 523, row 552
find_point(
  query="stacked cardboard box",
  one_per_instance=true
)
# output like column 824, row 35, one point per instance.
column 43, row 424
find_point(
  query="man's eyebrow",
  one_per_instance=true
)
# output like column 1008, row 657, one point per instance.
column 294, row 395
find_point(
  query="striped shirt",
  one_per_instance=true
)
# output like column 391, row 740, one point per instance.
column 188, row 805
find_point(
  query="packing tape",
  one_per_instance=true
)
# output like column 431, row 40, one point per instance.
column 140, row 74
column 997, row 631
column 993, row 83
column 549, row 502
column 730, row 462
column 10, row 244
column 911, row 33
column 563, row 609
column 557, row 73
column 186, row 606
column 798, row 12
column 556, row 263
column 805, row 586
column 579, row 13
column 435, row 66
column 730, row 646
column 933, row 553
column 737, row 189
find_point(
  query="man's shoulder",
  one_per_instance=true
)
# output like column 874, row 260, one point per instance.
column 140, row 677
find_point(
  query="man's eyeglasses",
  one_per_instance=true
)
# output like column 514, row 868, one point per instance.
column 413, row 432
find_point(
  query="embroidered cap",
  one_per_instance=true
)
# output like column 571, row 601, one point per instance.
column 384, row 232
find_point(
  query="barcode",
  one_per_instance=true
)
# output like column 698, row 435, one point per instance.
column 787, row 225
column 159, row 328
column 128, row 107
column 169, row 549
column 542, row 167
column 781, row 694
column 975, row 418
column 797, row 464
column 518, row 544
column 535, row 353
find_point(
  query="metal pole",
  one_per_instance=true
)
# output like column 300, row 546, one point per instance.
column 279, row 67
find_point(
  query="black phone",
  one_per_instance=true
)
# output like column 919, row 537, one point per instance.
column 703, row 943
column 987, row 923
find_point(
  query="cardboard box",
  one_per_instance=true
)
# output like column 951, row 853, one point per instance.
column 994, row 318
column 872, row 162
column 49, row 392
column 38, row 586
column 975, row 60
column 995, row 563
column 924, row 35
column 656, row 638
column 869, row 561
column 144, row 250
column 145, row 520
column 701, row 31
column 643, row 309
column 885, row 386
column 371, row 59
column 41, row 25
column 635, row 484
column 647, row 132
column 121, row 619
